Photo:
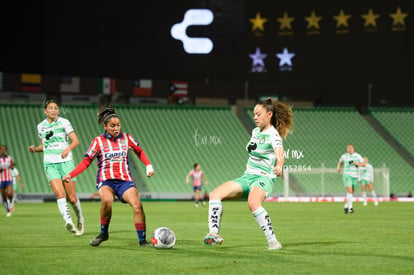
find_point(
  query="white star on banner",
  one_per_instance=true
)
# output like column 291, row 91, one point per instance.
column 258, row 57
column 285, row 57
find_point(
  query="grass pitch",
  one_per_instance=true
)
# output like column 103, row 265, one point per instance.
column 317, row 238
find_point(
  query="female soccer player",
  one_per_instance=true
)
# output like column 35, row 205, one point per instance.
column 54, row 133
column 198, row 177
column 274, row 120
column 113, row 177
column 352, row 161
column 6, row 179
column 366, row 178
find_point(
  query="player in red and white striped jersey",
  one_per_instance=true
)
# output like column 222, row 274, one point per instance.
column 113, row 177
column 6, row 178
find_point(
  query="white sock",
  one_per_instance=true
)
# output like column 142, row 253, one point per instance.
column 64, row 210
column 374, row 195
column 263, row 219
column 215, row 210
column 364, row 196
column 77, row 208
column 349, row 200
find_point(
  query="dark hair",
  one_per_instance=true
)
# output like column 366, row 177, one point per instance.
column 106, row 114
column 195, row 165
column 2, row 145
column 282, row 118
column 47, row 102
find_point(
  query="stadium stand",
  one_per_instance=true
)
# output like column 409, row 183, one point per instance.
column 321, row 135
column 399, row 123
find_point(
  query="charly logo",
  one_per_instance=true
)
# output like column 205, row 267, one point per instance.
column 194, row 45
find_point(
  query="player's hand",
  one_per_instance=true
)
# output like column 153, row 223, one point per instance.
column 65, row 153
column 67, row 178
column 278, row 170
column 32, row 149
column 150, row 170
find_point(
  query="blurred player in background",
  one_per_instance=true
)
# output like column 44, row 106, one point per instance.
column 113, row 177
column 6, row 179
column 274, row 120
column 54, row 133
column 351, row 161
column 198, row 177
column 366, row 178
column 17, row 181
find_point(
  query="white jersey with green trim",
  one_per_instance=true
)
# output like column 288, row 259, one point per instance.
column 261, row 149
column 367, row 173
column 55, row 139
column 349, row 168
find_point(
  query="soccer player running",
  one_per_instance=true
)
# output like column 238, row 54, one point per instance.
column 198, row 177
column 6, row 179
column 113, row 177
column 274, row 120
column 351, row 161
column 54, row 133
column 366, row 178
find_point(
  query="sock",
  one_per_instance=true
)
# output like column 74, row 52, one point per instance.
column 78, row 210
column 64, row 210
column 141, row 231
column 364, row 196
column 349, row 200
column 6, row 205
column 215, row 210
column 374, row 195
column 263, row 219
column 105, row 224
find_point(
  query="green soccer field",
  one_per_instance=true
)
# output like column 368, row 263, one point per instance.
column 317, row 238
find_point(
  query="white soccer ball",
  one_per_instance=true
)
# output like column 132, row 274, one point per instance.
column 163, row 237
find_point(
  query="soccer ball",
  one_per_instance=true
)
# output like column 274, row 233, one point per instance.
column 163, row 237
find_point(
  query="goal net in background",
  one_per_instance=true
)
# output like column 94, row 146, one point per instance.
column 327, row 182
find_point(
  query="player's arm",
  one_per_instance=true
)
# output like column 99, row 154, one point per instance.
column 82, row 166
column 280, row 160
column 187, row 178
column 74, row 143
column 338, row 167
column 205, row 180
column 360, row 164
column 38, row 149
column 19, row 180
column 142, row 156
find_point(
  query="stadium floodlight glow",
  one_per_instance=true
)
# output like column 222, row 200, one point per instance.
column 194, row 45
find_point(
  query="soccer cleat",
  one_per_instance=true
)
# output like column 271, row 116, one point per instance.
column 144, row 243
column 213, row 239
column 98, row 239
column 376, row 203
column 346, row 210
column 81, row 227
column 365, row 203
column 71, row 228
column 351, row 210
column 203, row 203
column 274, row 245
column 9, row 214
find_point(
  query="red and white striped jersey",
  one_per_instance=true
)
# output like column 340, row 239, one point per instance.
column 112, row 156
column 6, row 162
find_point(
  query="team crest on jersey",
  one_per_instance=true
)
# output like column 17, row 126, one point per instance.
column 262, row 140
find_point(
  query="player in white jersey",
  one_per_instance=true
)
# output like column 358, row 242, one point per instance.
column 351, row 161
column 16, row 181
column 274, row 120
column 366, row 178
column 54, row 133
